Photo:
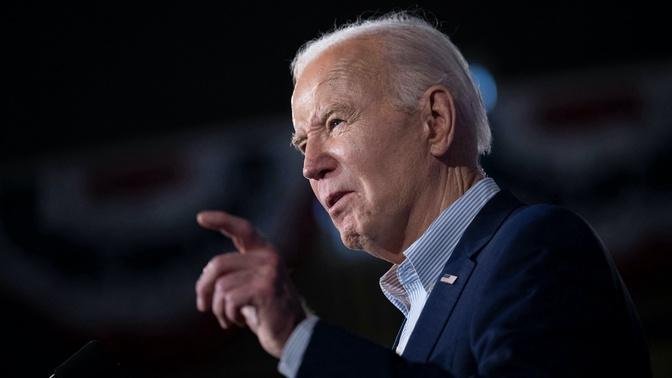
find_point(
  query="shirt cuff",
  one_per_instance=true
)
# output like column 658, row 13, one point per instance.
column 292, row 354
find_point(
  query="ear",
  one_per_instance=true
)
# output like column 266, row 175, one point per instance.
column 438, row 114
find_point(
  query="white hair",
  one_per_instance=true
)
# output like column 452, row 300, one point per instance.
column 421, row 56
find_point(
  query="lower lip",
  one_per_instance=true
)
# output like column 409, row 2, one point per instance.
column 339, row 203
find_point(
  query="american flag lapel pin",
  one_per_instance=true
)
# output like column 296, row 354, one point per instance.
column 448, row 279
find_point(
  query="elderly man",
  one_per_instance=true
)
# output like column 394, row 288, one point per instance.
column 391, row 128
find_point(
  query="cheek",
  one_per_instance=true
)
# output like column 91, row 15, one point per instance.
column 392, row 177
column 381, row 157
column 380, row 183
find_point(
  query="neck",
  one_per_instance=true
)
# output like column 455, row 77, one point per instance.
column 444, row 189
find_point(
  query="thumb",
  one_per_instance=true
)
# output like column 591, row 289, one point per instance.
column 250, row 314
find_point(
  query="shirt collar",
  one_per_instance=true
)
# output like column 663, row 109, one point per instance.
column 428, row 255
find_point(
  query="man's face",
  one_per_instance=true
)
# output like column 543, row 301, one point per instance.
column 366, row 160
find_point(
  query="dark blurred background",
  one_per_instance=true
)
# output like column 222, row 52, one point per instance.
column 124, row 121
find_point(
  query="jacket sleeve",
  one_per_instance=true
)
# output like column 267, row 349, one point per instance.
column 334, row 352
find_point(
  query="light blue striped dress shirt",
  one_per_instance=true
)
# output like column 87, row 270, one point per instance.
column 408, row 285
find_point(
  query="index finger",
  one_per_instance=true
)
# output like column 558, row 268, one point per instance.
column 244, row 235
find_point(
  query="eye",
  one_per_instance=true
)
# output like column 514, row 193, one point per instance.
column 334, row 122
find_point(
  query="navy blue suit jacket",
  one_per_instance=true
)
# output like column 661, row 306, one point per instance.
column 536, row 295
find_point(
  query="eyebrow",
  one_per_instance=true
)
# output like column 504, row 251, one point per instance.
column 296, row 141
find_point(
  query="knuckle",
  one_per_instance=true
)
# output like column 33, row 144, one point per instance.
column 268, row 261
column 221, row 284
column 269, row 270
column 222, row 259
column 228, row 298
column 214, row 262
column 246, row 228
column 201, row 287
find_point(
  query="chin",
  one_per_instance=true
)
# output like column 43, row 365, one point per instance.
column 351, row 238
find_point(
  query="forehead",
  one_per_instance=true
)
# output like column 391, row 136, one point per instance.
column 327, row 82
column 353, row 65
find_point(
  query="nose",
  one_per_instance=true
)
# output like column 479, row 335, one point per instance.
column 317, row 162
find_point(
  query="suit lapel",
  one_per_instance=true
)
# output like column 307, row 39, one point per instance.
column 437, row 310
column 442, row 299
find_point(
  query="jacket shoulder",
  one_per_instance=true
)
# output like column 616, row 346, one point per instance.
column 547, row 222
